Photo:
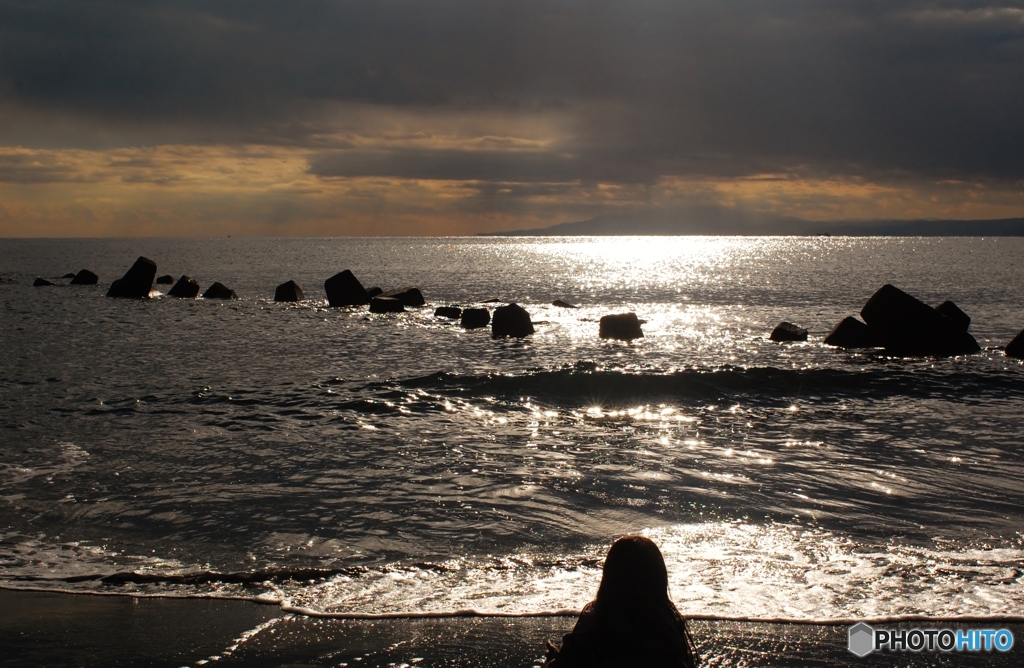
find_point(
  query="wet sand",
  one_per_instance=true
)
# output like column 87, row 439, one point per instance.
column 44, row 629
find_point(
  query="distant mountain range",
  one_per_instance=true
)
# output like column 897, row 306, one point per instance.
column 714, row 221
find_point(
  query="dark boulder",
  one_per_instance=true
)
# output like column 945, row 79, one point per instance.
column 288, row 292
column 907, row 326
column 41, row 283
column 453, row 312
column 185, row 288
column 624, row 326
column 1016, row 347
column 511, row 320
column 219, row 291
column 85, row 277
column 953, row 312
column 473, row 318
column 787, row 331
column 408, row 296
column 851, row 333
column 386, row 305
column 559, row 303
column 344, row 289
column 166, row 279
column 68, row 276
column 375, row 291
column 137, row 282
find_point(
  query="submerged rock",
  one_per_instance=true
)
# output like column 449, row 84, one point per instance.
column 953, row 312
column 185, row 288
column 511, row 320
column 219, row 291
column 344, row 289
column 851, row 333
column 386, row 305
column 409, row 296
column 166, row 279
column 1016, row 347
column 622, row 326
column 375, row 291
column 85, row 277
column 787, row 331
column 41, row 283
column 288, row 292
column 68, row 275
column 453, row 312
column 559, row 303
column 474, row 318
column 137, row 281
column 907, row 326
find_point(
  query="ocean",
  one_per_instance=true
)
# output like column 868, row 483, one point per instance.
column 338, row 462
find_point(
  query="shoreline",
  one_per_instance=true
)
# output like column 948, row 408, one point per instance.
column 60, row 629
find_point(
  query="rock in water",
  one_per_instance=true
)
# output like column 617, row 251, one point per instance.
column 511, row 320
column 453, row 312
column 344, row 289
column 559, row 303
column 375, row 292
column 41, row 283
column 623, row 326
column 474, row 318
column 907, row 326
column 85, row 277
column 185, row 288
column 386, row 305
column 408, row 296
column 137, row 282
column 851, row 333
column 288, row 292
column 953, row 312
column 68, row 276
column 787, row 331
column 166, row 279
column 1016, row 347
column 219, row 291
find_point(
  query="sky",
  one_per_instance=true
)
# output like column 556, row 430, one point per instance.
column 437, row 117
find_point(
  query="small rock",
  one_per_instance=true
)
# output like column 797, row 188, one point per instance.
column 511, row 320
column 344, row 289
column 624, row 326
column 851, row 333
column 219, row 291
column 408, row 296
column 85, row 277
column 166, row 279
column 473, row 318
column 68, row 276
column 561, row 304
column 137, row 281
column 787, row 331
column 1016, row 347
column 41, row 282
column 288, row 292
column 185, row 288
column 953, row 312
column 453, row 312
column 386, row 305
column 493, row 301
column 375, row 291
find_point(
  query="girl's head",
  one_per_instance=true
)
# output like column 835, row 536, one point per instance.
column 634, row 572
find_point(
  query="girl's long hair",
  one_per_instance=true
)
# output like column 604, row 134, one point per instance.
column 634, row 595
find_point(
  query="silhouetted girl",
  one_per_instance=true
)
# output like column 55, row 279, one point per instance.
column 632, row 622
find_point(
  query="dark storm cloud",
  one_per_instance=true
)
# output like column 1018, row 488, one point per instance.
column 655, row 87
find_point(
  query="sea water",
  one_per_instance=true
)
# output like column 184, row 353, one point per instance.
column 341, row 462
